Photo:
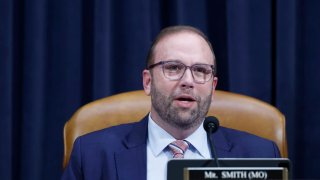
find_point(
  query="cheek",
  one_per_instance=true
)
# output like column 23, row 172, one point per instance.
column 205, row 90
column 164, row 85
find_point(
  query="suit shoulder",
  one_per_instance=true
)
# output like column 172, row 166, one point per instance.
column 252, row 145
column 233, row 134
column 237, row 136
column 110, row 134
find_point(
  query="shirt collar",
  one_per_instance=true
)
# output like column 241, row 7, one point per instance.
column 198, row 140
column 159, row 139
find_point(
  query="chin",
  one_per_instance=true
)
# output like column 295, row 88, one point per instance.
column 188, row 119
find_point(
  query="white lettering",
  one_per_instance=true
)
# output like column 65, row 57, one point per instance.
column 233, row 174
column 210, row 175
column 257, row 175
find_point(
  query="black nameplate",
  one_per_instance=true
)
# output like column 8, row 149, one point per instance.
column 207, row 173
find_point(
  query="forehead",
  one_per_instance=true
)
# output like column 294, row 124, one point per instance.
column 188, row 47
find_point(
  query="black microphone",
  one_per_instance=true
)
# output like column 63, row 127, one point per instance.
column 211, row 125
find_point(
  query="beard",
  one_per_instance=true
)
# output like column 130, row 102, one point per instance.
column 180, row 118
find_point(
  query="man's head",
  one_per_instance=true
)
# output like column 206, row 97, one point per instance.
column 172, row 30
column 180, row 79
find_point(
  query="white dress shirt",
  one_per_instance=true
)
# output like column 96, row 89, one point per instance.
column 158, row 153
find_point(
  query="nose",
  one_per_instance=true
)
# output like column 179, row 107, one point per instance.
column 186, row 81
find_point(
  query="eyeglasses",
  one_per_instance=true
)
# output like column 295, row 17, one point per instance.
column 174, row 70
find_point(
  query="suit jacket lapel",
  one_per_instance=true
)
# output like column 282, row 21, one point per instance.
column 131, row 162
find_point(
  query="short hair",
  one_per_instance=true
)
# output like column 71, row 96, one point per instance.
column 173, row 30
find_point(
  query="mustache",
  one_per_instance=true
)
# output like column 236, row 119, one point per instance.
column 178, row 93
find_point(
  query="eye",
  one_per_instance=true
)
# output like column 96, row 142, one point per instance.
column 201, row 69
column 173, row 67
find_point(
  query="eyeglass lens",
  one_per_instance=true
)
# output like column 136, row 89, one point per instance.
column 175, row 70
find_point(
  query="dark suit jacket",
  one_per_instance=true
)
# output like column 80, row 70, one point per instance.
column 119, row 153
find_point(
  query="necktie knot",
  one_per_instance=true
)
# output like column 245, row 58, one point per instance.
column 178, row 148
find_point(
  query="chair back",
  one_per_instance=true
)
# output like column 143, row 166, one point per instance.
column 233, row 110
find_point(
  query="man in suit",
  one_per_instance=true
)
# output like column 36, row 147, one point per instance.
column 180, row 78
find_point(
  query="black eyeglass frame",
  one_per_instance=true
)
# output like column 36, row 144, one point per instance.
column 213, row 67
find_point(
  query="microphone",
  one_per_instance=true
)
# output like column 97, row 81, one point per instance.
column 211, row 125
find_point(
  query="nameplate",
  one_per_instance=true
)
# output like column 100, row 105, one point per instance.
column 207, row 173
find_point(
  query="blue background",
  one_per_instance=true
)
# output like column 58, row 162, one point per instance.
column 57, row 55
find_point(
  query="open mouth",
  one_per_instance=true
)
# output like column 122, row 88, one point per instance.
column 185, row 98
column 185, row 101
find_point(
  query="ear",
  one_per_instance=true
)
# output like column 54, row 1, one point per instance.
column 146, row 75
column 214, row 84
